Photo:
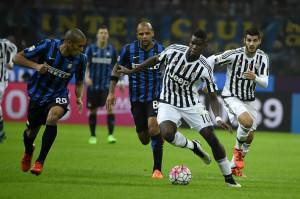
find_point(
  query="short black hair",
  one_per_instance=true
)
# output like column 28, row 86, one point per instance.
column 103, row 26
column 201, row 34
column 253, row 31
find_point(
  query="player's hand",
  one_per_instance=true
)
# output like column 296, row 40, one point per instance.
column 110, row 101
column 9, row 66
column 79, row 105
column 42, row 68
column 124, row 70
column 88, row 81
column 249, row 75
column 225, row 126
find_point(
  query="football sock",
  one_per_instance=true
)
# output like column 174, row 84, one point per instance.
column 110, row 123
column 224, row 166
column 181, row 141
column 47, row 141
column 241, row 137
column 92, row 123
column 245, row 148
column 28, row 141
column 157, row 149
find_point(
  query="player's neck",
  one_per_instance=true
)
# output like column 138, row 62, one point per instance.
column 102, row 44
column 64, row 51
column 148, row 47
column 249, row 54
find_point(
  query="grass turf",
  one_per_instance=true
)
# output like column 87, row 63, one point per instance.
column 76, row 169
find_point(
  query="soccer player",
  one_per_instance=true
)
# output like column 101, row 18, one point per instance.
column 144, row 89
column 101, row 57
column 7, row 51
column 185, row 68
column 58, row 61
column 246, row 66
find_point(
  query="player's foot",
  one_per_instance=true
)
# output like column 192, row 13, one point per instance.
column 93, row 140
column 238, row 158
column 26, row 161
column 231, row 182
column 200, row 152
column 238, row 172
column 157, row 174
column 37, row 168
column 111, row 139
column 2, row 137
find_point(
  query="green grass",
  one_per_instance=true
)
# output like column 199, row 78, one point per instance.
column 75, row 169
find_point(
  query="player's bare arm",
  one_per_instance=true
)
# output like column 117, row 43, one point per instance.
column 111, row 100
column 21, row 60
column 88, row 80
column 78, row 93
column 215, row 106
column 152, row 61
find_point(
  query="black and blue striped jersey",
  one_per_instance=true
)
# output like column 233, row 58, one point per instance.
column 43, row 88
column 100, row 65
column 146, row 85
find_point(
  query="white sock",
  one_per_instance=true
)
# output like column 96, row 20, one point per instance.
column 181, row 141
column 241, row 137
column 245, row 148
column 224, row 166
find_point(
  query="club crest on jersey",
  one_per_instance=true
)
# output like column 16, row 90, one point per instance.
column 31, row 48
column 107, row 54
column 69, row 66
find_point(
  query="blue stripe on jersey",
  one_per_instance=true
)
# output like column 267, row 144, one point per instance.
column 43, row 88
column 146, row 85
column 101, row 63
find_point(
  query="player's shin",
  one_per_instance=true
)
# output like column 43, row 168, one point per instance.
column 157, row 149
column 180, row 140
column 47, row 141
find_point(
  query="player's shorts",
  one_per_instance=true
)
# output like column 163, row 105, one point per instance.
column 141, row 111
column 197, row 117
column 96, row 98
column 37, row 114
column 235, row 107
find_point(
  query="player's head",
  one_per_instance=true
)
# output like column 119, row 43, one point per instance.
column 75, row 41
column 252, row 39
column 197, row 43
column 102, row 34
column 144, row 33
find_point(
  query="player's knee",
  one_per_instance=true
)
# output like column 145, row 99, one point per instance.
column 52, row 119
column 246, row 123
column 153, row 130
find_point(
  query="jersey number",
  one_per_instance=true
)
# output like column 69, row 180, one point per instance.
column 61, row 100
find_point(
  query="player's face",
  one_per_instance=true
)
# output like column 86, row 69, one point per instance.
column 252, row 43
column 77, row 47
column 144, row 35
column 196, row 46
column 102, row 35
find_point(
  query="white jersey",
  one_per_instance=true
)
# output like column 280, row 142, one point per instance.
column 237, row 63
column 7, row 51
column 182, row 79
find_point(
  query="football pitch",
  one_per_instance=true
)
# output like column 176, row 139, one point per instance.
column 75, row 169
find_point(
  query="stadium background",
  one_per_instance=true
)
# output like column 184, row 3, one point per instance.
column 26, row 22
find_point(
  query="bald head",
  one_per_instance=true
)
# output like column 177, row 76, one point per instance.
column 144, row 24
column 74, row 35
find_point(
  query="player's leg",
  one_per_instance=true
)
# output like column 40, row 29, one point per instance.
column 2, row 133
column 36, row 117
column 139, row 113
column 110, row 118
column 156, row 138
column 91, row 106
column 55, row 113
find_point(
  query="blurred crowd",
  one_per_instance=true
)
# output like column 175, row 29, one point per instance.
column 278, row 19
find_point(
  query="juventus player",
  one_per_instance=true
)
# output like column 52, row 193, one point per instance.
column 185, row 68
column 246, row 66
column 7, row 51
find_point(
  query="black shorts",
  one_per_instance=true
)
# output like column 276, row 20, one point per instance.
column 37, row 114
column 96, row 98
column 141, row 111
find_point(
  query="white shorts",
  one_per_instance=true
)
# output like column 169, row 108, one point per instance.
column 196, row 116
column 235, row 107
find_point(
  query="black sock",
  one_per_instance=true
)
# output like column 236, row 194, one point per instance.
column 157, row 149
column 110, row 123
column 47, row 141
column 229, row 179
column 92, row 122
column 1, row 126
column 28, row 141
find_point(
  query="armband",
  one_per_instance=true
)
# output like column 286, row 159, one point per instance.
column 114, row 78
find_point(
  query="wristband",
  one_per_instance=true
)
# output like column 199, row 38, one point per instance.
column 114, row 78
column 218, row 118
